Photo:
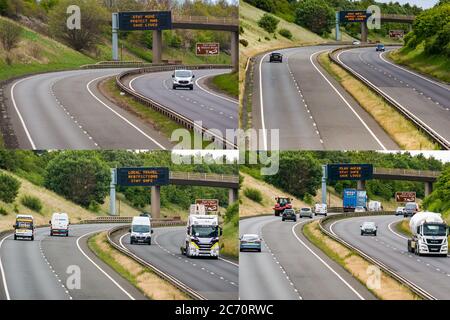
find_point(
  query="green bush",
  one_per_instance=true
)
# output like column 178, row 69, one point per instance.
column 9, row 188
column 3, row 211
column 32, row 203
column 316, row 15
column 253, row 194
column 241, row 29
column 268, row 23
column 232, row 213
column 285, row 33
column 243, row 42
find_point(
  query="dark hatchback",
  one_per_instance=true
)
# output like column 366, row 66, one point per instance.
column 276, row 56
column 289, row 214
column 380, row 47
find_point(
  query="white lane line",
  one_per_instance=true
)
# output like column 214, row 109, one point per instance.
column 409, row 71
column 261, row 104
column 404, row 109
column 324, row 263
column 121, row 243
column 33, row 146
column 99, row 268
column 397, row 234
column 118, row 114
column 346, row 102
column 212, row 93
column 230, row 262
column 132, row 80
column 2, row 271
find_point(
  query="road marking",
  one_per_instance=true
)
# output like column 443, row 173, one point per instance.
column 405, row 109
column 98, row 267
column 346, row 102
column 413, row 73
column 33, row 146
column 323, row 262
column 397, row 234
column 261, row 103
column 212, row 93
column 2, row 270
column 119, row 115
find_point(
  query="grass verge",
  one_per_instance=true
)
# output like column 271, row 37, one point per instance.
column 227, row 83
column 358, row 267
column 400, row 129
column 229, row 241
column 437, row 66
column 151, row 285
column 402, row 227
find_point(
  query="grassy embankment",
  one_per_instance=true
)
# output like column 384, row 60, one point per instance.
column 229, row 241
column 389, row 288
column 248, row 207
column 227, row 83
column 150, row 284
column 38, row 53
column 437, row 66
column 402, row 131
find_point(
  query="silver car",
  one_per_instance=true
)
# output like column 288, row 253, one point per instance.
column 305, row 212
column 369, row 227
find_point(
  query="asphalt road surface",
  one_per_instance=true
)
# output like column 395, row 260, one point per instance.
column 216, row 111
column 215, row 279
column 309, row 107
column 291, row 268
column 425, row 99
column 430, row 273
column 46, row 269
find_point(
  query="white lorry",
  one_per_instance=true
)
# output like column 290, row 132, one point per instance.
column 202, row 233
column 24, row 227
column 375, row 205
column 429, row 234
column 59, row 224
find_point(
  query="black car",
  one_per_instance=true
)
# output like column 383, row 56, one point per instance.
column 289, row 214
column 276, row 56
column 380, row 47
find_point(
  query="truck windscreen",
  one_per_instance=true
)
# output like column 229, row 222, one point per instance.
column 141, row 228
column 205, row 231
column 434, row 230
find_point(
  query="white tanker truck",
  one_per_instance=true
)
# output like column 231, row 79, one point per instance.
column 429, row 234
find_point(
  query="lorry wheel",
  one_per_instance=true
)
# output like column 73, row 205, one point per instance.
column 32, row 238
column 51, row 233
column 174, row 87
column 150, row 242
column 15, row 237
column 187, row 250
column 282, row 219
column 191, row 87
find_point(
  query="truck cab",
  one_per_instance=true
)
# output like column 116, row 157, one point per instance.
column 24, row 227
column 202, row 234
column 429, row 234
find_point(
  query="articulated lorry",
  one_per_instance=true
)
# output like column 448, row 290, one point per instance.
column 202, row 233
column 429, row 234
column 353, row 198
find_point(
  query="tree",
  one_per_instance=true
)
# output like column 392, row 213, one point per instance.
column 9, row 34
column 9, row 188
column 268, row 23
column 94, row 19
column 78, row 176
column 299, row 173
column 316, row 15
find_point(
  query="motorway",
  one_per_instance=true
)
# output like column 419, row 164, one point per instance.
column 45, row 269
column 290, row 267
column 430, row 273
column 425, row 99
column 215, row 110
column 65, row 110
column 309, row 107
column 212, row 278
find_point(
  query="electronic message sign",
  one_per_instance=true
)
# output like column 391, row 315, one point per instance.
column 151, row 20
column 142, row 176
column 354, row 16
column 349, row 171
column 207, row 49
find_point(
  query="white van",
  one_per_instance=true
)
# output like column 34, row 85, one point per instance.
column 321, row 208
column 59, row 224
column 375, row 205
column 141, row 230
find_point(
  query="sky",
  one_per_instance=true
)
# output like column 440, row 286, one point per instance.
column 425, row 4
